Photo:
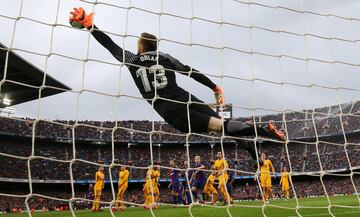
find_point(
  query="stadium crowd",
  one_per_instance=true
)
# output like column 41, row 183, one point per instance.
column 54, row 156
column 334, row 120
column 52, row 161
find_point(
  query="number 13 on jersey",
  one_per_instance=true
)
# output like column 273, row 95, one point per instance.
column 160, row 79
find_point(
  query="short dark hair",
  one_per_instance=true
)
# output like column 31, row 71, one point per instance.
column 148, row 41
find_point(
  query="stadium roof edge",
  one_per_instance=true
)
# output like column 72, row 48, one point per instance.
column 23, row 80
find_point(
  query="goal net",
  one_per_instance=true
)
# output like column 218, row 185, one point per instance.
column 291, row 63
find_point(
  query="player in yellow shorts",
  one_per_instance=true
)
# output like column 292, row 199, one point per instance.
column 284, row 182
column 151, row 186
column 221, row 166
column 156, row 177
column 265, row 176
column 209, row 188
column 147, row 188
column 99, row 186
column 122, row 186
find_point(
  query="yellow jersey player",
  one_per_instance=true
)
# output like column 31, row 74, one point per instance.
column 209, row 188
column 122, row 186
column 151, row 186
column 148, row 188
column 99, row 186
column 221, row 166
column 284, row 182
column 156, row 177
column 265, row 176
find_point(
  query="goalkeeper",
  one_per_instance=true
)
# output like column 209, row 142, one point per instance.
column 154, row 76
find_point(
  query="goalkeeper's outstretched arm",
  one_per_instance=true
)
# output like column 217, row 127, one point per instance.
column 199, row 77
column 80, row 19
column 193, row 73
column 111, row 46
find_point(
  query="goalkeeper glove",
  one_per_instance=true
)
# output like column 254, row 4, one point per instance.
column 219, row 95
column 80, row 19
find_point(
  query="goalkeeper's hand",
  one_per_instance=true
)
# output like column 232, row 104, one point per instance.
column 219, row 95
column 80, row 19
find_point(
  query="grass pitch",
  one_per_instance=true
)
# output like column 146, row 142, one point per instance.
column 277, row 208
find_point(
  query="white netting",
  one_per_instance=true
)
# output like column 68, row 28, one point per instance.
column 292, row 62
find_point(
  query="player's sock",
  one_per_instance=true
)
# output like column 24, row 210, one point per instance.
column 266, row 197
column 195, row 195
column 270, row 193
column 203, row 196
column 175, row 199
column 96, row 205
column 188, row 197
column 148, row 199
column 180, row 199
column 215, row 196
column 117, row 202
column 156, row 198
column 122, row 204
column 223, row 192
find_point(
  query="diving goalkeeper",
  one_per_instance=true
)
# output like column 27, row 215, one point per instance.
column 154, row 76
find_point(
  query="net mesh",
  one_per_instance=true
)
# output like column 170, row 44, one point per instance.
column 311, row 57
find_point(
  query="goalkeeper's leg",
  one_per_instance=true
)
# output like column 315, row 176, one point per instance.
column 239, row 129
column 204, row 119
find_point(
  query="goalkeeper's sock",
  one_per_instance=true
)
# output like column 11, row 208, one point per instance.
column 239, row 128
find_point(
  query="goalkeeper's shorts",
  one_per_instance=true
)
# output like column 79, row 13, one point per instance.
column 176, row 114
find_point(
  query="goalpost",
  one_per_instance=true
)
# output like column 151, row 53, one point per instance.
column 282, row 61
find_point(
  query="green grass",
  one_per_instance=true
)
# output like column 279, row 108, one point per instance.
column 276, row 208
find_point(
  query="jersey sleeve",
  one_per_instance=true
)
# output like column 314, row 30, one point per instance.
column 112, row 47
column 193, row 73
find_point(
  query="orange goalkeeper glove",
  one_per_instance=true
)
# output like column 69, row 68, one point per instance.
column 219, row 95
column 80, row 19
